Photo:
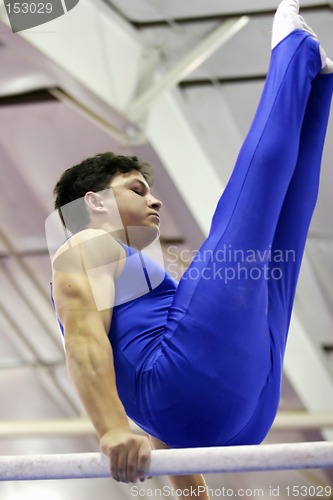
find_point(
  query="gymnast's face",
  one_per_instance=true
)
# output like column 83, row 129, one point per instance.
column 138, row 208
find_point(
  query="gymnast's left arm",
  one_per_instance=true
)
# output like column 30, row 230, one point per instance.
column 192, row 486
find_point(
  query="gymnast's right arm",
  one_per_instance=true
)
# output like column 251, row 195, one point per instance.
column 89, row 361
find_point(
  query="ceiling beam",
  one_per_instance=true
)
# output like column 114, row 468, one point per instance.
column 98, row 61
column 186, row 65
column 229, row 80
column 158, row 23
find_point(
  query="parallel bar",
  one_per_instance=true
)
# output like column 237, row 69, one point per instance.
column 318, row 455
column 81, row 426
column 300, row 420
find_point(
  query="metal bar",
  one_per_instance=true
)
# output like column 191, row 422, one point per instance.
column 303, row 421
column 317, row 455
column 88, row 113
column 81, row 426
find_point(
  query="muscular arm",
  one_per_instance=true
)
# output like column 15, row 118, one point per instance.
column 89, row 356
column 194, row 483
column 89, row 361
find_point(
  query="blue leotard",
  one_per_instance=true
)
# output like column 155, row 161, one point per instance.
column 200, row 363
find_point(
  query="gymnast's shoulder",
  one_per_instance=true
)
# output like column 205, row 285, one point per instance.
column 89, row 249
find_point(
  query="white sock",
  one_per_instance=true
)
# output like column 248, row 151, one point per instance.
column 327, row 64
column 328, row 68
column 287, row 20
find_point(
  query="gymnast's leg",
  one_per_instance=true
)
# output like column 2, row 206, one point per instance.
column 288, row 247
column 297, row 210
column 247, row 215
column 217, row 341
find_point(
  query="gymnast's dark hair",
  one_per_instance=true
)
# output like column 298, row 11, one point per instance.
column 92, row 174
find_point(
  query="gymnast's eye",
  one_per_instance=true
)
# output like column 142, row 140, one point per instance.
column 137, row 191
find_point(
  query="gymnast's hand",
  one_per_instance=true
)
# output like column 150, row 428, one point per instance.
column 129, row 455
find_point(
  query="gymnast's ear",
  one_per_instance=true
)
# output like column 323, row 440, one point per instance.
column 94, row 201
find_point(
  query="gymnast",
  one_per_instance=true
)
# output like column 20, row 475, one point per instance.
column 199, row 362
